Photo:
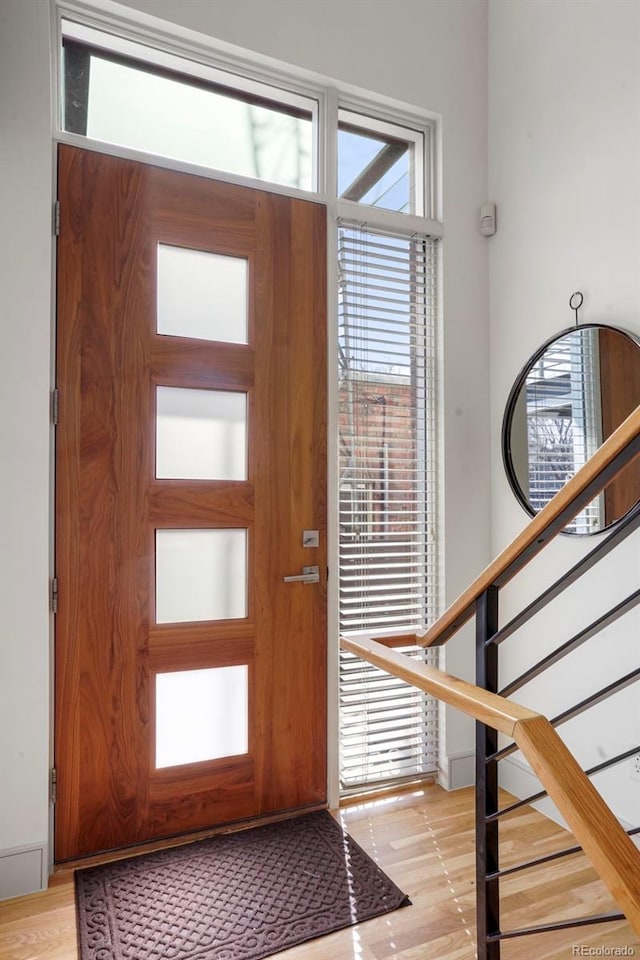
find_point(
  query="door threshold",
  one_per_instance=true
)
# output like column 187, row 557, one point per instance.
column 62, row 868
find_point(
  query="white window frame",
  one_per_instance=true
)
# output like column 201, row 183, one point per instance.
column 209, row 59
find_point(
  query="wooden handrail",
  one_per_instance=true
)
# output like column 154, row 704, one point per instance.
column 490, row 708
column 611, row 851
column 563, row 507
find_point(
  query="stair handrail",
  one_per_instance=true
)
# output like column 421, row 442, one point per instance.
column 622, row 446
column 613, row 854
column 606, row 843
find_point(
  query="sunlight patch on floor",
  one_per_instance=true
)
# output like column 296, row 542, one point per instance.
column 369, row 830
column 468, row 927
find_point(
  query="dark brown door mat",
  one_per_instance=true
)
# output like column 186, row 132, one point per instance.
column 237, row 896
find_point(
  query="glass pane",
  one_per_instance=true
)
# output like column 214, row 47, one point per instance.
column 201, row 575
column 134, row 105
column 373, row 171
column 201, row 434
column 201, row 715
column 201, row 295
column 380, row 163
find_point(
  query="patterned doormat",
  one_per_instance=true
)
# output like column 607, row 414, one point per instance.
column 238, row 896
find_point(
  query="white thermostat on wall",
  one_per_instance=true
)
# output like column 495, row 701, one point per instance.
column 488, row 219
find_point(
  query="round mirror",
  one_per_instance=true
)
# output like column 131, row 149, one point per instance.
column 575, row 390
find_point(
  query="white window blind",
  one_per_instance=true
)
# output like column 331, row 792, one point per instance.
column 564, row 424
column 388, row 505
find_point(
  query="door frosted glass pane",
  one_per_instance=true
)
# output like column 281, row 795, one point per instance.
column 201, row 715
column 201, row 434
column 201, row 295
column 201, row 575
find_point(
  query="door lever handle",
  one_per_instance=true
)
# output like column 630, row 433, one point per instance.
column 308, row 575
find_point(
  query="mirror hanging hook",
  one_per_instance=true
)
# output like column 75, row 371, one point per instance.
column 575, row 302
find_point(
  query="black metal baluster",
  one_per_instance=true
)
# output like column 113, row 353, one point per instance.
column 487, row 886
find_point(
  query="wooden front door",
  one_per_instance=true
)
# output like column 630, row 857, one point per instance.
column 190, row 457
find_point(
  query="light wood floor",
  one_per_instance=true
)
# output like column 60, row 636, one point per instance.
column 424, row 840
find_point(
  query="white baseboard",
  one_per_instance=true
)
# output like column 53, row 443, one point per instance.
column 458, row 770
column 23, row 870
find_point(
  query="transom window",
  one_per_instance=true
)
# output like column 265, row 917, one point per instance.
column 207, row 117
column 380, row 164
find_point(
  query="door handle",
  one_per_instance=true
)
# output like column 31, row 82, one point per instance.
column 308, row 575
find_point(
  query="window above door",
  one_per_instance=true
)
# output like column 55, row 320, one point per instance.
column 141, row 96
column 121, row 93
column 380, row 164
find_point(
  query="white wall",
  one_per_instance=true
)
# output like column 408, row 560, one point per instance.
column 25, row 321
column 424, row 52
column 564, row 169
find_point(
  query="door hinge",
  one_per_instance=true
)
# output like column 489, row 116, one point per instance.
column 55, row 406
column 54, row 595
column 56, row 219
column 53, row 785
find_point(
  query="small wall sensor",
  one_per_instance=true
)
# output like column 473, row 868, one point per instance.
column 488, row 219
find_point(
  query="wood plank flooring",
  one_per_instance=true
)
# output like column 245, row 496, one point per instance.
column 424, row 840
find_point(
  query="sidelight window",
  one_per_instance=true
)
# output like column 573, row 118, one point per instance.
column 388, row 499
